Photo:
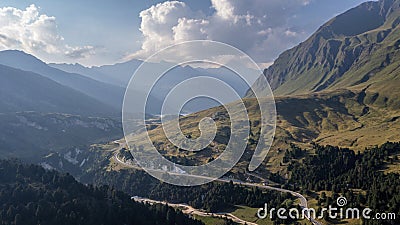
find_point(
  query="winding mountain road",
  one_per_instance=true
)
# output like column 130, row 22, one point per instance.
column 191, row 210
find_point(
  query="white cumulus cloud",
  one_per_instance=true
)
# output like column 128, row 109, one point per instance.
column 35, row 33
column 260, row 28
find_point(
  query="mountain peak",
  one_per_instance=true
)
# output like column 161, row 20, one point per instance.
column 8, row 57
column 365, row 17
column 352, row 49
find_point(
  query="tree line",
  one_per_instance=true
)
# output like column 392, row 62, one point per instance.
column 30, row 194
column 341, row 170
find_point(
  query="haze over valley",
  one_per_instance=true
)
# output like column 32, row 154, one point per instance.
column 66, row 156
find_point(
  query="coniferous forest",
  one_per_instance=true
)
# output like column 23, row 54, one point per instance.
column 30, row 194
column 343, row 171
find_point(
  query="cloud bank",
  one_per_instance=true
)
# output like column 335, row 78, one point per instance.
column 260, row 28
column 37, row 34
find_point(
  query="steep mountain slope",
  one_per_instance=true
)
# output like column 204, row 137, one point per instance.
column 357, row 49
column 340, row 87
column 27, row 91
column 106, row 93
column 341, row 118
column 32, row 135
column 59, row 117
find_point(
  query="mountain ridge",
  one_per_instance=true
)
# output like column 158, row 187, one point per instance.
column 120, row 74
column 29, row 91
column 334, row 57
column 340, row 91
column 106, row 93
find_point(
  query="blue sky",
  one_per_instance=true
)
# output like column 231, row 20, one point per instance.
column 104, row 32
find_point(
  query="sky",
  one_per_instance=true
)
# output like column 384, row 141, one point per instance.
column 98, row 32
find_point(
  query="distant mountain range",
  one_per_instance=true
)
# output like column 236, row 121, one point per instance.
column 120, row 74
column 106, row 93
column 103, row 84
column 45, row 109
column 27, row 91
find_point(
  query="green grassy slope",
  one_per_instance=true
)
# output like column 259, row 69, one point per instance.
column 339, row 87
column 356, row 49
column 345, row 118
